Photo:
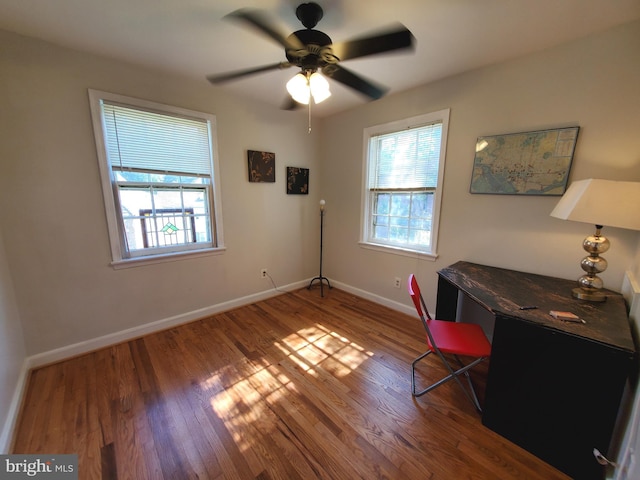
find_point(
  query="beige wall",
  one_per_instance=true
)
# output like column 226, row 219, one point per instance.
column 592, row 83
column 52, row 216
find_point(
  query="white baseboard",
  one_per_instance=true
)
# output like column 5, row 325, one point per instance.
column 68, row 351
column 8, row 429
column 87, row 346
column 410, row 310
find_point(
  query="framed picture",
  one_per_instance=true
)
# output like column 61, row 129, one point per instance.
column 528, row 163
column 297, row 181
column 262, row 166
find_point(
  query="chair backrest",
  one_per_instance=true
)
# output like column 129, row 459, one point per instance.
column 421, row 307
column 416, row 296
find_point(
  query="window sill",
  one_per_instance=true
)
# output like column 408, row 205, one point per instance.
column 168, row 257
column 399, row 251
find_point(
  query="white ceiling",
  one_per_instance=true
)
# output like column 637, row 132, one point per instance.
column 190, row 37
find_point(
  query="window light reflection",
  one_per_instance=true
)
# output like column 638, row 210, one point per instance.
column 249, row 398
column 316, row 345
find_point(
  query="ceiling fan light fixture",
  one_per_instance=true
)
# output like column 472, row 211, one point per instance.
column 298, row 88
column 319, row 87
column 302, row 87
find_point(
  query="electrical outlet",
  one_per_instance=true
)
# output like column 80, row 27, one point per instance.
column 397, row 282
column 263, row 273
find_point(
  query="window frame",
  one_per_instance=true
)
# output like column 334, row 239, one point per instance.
column 366, row 217
column 117, row 239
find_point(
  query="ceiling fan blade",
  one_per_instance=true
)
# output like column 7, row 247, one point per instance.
column 393, row 39
column 354, row 81
column 225, row 77
column 260, row 21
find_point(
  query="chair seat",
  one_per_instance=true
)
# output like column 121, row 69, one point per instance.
column 459, row 338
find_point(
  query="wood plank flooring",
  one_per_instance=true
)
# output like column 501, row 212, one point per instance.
column 293, row 387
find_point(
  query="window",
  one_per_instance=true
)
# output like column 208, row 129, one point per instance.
column 159, row 175
column 404, row 166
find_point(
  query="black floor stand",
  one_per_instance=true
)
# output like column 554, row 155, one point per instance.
column 320, row 278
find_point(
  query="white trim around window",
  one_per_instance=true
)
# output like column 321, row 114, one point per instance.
column 407, row 182
column 122, row 255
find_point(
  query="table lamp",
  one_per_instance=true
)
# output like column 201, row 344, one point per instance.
column 599, row 202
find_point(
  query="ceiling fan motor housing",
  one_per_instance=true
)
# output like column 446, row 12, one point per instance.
column 317, row 52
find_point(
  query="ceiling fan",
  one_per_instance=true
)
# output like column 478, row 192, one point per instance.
column 313, row 51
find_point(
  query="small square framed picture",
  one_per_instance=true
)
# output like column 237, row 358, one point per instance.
column 262, row 166
column 297, row 181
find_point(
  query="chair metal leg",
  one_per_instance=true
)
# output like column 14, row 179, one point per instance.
column 472, row 389
column 453, row 375
column 413, row 376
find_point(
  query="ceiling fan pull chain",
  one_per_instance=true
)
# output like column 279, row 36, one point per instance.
column 309, row 116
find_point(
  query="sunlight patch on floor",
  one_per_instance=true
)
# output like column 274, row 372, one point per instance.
column 310, row 347
column 239, row 398
column 247, row 401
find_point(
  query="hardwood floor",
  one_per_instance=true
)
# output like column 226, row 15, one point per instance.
column 293, row 387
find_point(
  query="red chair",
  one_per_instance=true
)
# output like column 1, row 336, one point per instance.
column 448, row 337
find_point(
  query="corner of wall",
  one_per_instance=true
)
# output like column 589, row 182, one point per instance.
column 8, row 429
column 628, row 466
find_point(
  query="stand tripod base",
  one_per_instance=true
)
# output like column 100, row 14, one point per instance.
column 321, row 280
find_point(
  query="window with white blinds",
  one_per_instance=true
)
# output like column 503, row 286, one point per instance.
column 406, row 160
column 159, row 175
column 404, row 165
column 140, row 139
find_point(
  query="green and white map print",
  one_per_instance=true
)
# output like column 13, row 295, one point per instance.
column 531, row 163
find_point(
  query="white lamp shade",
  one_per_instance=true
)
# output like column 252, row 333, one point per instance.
column 302, row 89
column 319, row 87
column 298, row 88
column 601, row 202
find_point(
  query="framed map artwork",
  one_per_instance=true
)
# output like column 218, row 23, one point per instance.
column 529, row 163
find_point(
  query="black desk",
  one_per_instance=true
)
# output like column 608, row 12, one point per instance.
column 554, row 387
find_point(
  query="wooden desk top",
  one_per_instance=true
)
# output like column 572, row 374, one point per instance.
column 504, row 291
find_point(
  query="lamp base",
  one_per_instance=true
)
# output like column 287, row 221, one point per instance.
column 589, row 285
column 321, row 279
column 592, row 296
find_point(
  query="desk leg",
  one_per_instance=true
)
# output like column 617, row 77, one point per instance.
column 447, row 300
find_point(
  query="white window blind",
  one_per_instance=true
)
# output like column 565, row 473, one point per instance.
column 402, row 184
column 145, row 140
column 407, row 159
column 160, row 179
